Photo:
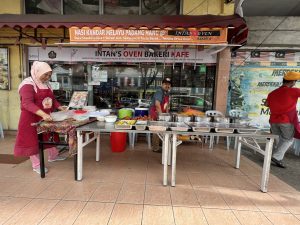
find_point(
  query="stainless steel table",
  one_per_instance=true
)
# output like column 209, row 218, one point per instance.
column 242, row 140
column 170, row 144
column 98, row 127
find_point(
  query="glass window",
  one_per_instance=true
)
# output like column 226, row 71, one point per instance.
column 160, row 7
column 122, row 85
column 121, row 7
column 43, row 6
column 192, row 87
column 86, row 7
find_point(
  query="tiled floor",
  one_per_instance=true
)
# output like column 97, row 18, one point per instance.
column 126, row 188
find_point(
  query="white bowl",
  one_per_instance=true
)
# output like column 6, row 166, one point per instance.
column 80, row 117
column 100, row 118
column 59, row 116
column 110, row 118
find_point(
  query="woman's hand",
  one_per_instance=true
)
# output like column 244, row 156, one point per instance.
column 47, row 117
column 63, row 108
column 44, row 115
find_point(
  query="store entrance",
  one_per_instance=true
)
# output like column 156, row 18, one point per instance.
column 119, row 85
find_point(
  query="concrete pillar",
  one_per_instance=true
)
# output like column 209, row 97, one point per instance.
column 222, row 79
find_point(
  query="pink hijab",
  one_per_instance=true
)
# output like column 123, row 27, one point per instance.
column 37, row 70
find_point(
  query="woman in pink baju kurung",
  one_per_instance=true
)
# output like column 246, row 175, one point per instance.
column 37, row 102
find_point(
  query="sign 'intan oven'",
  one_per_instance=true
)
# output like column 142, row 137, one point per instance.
column 189, row 36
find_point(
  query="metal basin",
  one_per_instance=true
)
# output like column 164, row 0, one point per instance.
column 202, row 119
column 164, row 117
column 183, row 118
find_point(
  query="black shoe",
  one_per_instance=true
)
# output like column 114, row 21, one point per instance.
column 278, row 163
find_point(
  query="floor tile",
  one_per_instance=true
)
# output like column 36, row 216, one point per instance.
column 183, row 196
column 81, row 191
column 210, row 198
column 57, row 190
column 126, row 214
column 200, row 180
column 251, row 218
column 95, row 213
column 190, row 216
column 154, row 215
column 33, row 213
column 264, row 202
column 32, row 189
column 157, row 195
column 290, row 201
column 132, row 193
column 106, row 192
column 282, row 219
column 220, row 217
column 136, row 177
column 10, row 206
column 64, row 213
column 236, row 199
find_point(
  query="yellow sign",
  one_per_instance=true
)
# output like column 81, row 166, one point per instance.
column 144, row 36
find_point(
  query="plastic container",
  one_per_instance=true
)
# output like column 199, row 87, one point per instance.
column 118, row 141
column 141, row 112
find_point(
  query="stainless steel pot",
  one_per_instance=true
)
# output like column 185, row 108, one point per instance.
column 164, row 117
column 202, row 119
column 183, row 118
column 221, row 119
column 243, row 121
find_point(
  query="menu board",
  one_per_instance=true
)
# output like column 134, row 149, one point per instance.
column 79, row 99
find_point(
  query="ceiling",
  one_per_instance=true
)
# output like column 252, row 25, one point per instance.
column 271, row 7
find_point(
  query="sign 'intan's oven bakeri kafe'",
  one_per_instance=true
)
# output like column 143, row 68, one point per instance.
column 144, row 36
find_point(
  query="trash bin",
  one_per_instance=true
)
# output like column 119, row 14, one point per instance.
column 118, row 141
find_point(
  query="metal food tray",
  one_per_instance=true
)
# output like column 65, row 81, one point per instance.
column 179, row 126
column 141, row 124
column 200, row 126
column 223, row 128
column 124, row 124
column 157, row 126
column 247, row 130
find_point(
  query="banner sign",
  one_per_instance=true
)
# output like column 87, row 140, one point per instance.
column 249, row 88
column 189, row 36
column 129, row 55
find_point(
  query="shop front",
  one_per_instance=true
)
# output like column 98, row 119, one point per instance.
column 121, row 60
column 126, row 77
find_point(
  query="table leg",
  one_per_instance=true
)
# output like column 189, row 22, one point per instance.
column 165, row 158
column 79, row 155
column 75, row 167
column 169, row 151
column 266, row 166
column 238, row 153
column 42, row 162
column 174, row 153
column 98, row 147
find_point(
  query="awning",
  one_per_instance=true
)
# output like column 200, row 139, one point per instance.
column 237, row 33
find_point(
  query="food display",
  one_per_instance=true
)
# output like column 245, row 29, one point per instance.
column 125, row 124
column 192, row 112
column 200, row 126
column 223, row 128
column 157, row 126
column 179, row 126
column 141, row 124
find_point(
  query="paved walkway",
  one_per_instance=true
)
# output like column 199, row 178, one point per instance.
column 290, row 175
column 126, row 188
